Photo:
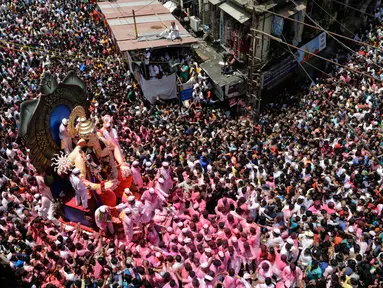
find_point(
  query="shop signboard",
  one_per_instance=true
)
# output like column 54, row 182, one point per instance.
column 314, row 46
column 277, row 72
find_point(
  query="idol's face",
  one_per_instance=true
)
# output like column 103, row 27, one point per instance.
column 92, row 140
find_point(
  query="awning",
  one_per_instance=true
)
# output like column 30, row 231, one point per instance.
column 215, row 2
column 237, row 13
column 291, row 9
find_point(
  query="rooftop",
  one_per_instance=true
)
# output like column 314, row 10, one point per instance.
column 212, row 67
column 151, row 19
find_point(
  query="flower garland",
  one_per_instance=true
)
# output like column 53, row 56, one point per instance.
column 105, row 167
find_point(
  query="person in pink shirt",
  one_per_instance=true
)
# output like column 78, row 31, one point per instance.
column 152, row 236
column 194, row 284
column 255, row 237
column 203, row 218
column 230, row 279
column 279, row 264
column 292, row 276
column 287, row 213
column 162, row 190
column 179, row 201
column 187, row 279
column 224, row 257
column 262, row 253
column 230, row 221
column 127, row 193
column 208, row 282
column 166, row 232
column 248, row 254
column 235, row 261
column 184, row 273
column 220, row 211
column 227, row 202
column 220, row 230
column 197, row 198
column 194, row 208
column 151, row 202
column 206, row 255
column 207, row 230
column 136, row 174
column 329, row 208
column 315, row 208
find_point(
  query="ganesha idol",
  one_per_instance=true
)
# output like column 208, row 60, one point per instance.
column 102, row 167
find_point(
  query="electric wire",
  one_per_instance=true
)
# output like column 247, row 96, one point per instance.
column 332, row 104
column 332, row 17
column 315, row 55
column 340, row 42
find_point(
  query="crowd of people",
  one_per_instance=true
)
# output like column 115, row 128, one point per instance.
column 293, row 200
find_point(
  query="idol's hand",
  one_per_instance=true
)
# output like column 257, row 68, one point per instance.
column 125, row 171
column 112, row 184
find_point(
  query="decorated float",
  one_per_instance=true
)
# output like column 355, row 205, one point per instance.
column 63, row 140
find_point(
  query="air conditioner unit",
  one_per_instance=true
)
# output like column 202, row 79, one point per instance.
column 195, row 23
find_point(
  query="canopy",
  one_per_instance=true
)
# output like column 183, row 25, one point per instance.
column 237, row 13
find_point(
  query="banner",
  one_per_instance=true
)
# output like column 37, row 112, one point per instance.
column 164, row 88
column 234, row 89
column 314, row 46
column 186, row 91
column 277, row 26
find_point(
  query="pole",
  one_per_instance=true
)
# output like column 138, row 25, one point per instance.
column 254, row 75
column 259, row 92
column 135, row 24
column 251, row 56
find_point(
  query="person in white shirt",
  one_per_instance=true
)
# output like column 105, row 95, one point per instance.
column 66, row 141
column 306, row 240
column 153, row 71
column 197, row 94
column 174, row 32
column 289, row 250
column 330, row 269
column 46, row 198
column 305, row 258
column 10, row 152
column 68, row 273
column 268, row 283
column 147, row 56
column 110, row 134
column 275, row 238
column 147, row 61
column 79, row 188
